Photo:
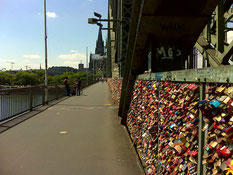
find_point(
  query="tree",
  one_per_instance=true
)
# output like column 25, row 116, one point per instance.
column 41, row 75
column 26, row 78
column 99, row 74
column 81, row 75
column 5, row 78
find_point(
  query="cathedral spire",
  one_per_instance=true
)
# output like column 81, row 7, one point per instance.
column 99, row 43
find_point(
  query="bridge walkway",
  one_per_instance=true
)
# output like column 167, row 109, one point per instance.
column 81, row 135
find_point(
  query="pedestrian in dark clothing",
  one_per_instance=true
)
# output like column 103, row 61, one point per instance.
column 78, row 86
column 67, row 86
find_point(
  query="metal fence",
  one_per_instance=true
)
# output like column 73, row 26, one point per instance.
column 196, row 104
column 14, row 102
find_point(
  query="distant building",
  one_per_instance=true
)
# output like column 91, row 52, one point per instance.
column 60, row 70
column 98, row 60
column 99, row 44
column 81, row 67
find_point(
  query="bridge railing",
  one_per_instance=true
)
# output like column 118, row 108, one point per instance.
column 182, row 121
column 14, row 102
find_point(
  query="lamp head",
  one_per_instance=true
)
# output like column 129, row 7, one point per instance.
column 97, row 15
column 92, row 21
column 99, row 24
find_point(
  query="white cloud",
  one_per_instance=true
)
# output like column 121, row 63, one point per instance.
column 73, row 56
column 73, row 51
column 32, row 56
column 72, row 62
column 27, row 61
column 51, row 14
column 7, row 60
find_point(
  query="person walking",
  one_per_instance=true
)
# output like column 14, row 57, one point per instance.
column 78, row 87
column 67, row 86
column 102, row 79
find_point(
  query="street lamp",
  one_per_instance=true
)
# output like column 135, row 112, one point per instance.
column 98, row 22
column 93, row 70
column 92, row 21
column 46, row 59
column 97, row 15
column 95, row 20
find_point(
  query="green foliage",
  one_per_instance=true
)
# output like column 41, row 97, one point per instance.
column 26, row 78
column 5, row 78
column 51, row 80
column 99, row 74
column 41, row 75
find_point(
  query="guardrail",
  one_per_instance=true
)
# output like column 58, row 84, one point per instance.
column 177, row 118
column 14, row 102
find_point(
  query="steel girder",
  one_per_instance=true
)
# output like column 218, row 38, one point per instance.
column 213, row 41
column 125, row 24
column 169, row 23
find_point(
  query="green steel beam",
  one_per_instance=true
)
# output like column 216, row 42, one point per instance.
column 227, row 54
column 171, row 28
column 203, row 46
column 220, row 26
column 125, row 92
column 126, row 16
column 220, row 74
column 201, row 135
column 214, row 46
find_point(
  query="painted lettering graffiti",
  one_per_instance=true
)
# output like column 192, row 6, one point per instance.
column 170, row 27
column 168, row 53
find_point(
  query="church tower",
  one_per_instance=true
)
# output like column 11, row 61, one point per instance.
column 99, row 44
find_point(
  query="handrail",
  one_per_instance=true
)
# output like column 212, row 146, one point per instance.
column 20, row 88
column 16, row 101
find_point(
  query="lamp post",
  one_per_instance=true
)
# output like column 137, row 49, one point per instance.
column 98, row 22
column 86, row 66
column 95, row 21
column 46, row 59
column 93, row 70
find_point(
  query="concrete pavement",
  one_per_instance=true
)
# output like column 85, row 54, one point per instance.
column 78, row 136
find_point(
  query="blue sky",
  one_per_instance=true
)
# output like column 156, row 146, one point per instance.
column 22, row 32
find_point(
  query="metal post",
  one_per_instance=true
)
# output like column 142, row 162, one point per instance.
column 30, row 102
column 93, row 70
column 46, row 59
column 190, row 61
column 56, row 90
column 86, row 66
column 195, row 57
column 159, row 117
column 43, row 97
column 220, row 26
column 201, row 135
column 149, row 61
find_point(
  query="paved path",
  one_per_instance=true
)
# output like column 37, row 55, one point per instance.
column 79, row 136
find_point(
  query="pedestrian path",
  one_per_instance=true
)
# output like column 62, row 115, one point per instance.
column 81, row 135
